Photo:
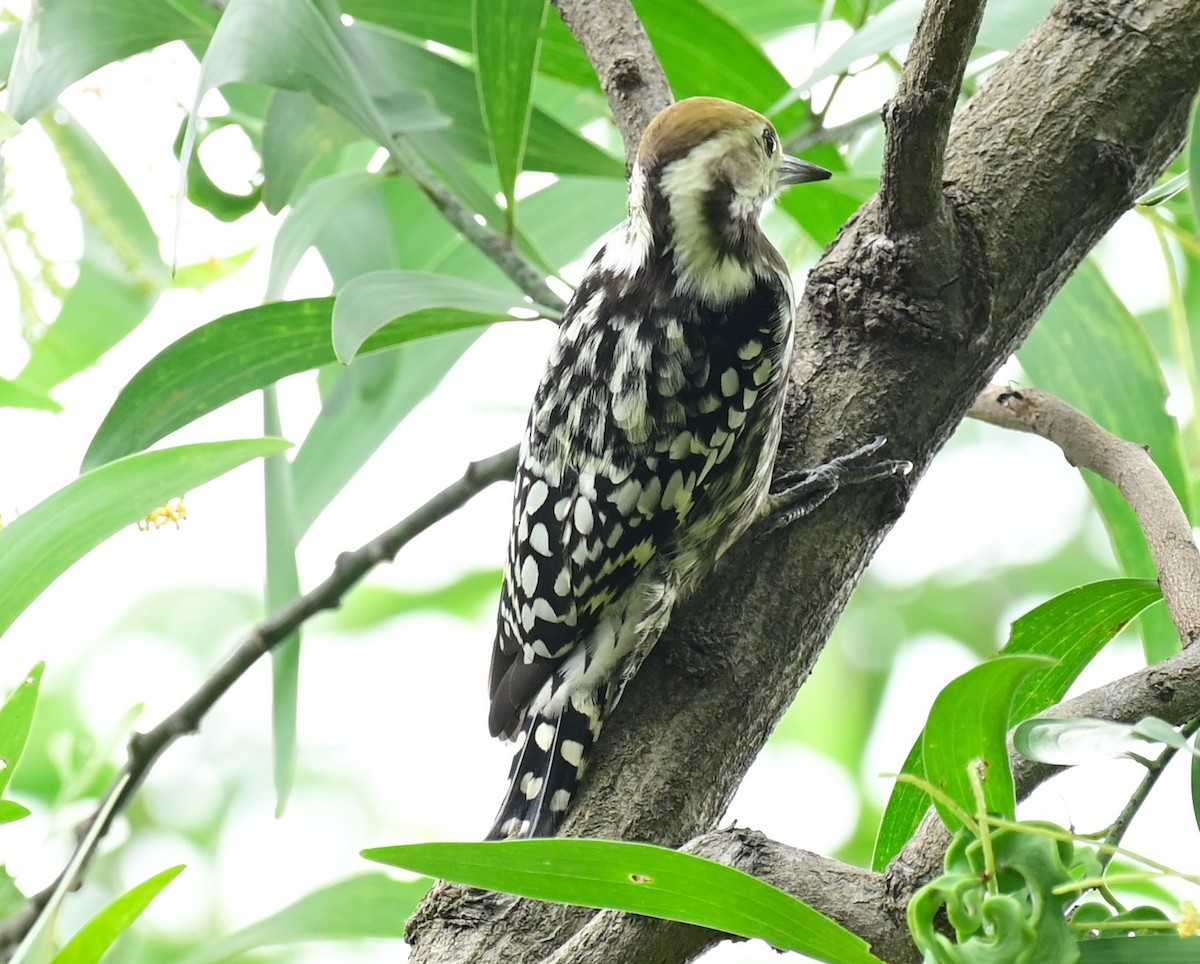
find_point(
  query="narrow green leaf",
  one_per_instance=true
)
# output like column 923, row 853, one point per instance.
column 695, row 42
column 236, row 354
column 1070, row 628
column 121, row 271
column 370, row 905
column 313, row 210
column 289, row 45
column 16, row 717
column 1123, row 389
column 640, row 879
column 10, row 811
column 1196, row 780
column 65, row 40
column 297, row 133
column 508, row 34
column 202, row 190
column 44, row 542
column 696, row 45
column 1193, row 156
column 11, row 898
column 16, row 395
column 822, row 208
column 1162, row 193
column 203, row 273
column 372, row 396
column 37, row 945
column 283, row 585
column 367, row 303
column 1067, row 742
column 9, row 127
column 93, row 940
column 1004, row 26
column 1160, row 949
column 467, row 597
column 968, row 722
column 401, row 64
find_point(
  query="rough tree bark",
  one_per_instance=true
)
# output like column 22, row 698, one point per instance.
column 913, row 307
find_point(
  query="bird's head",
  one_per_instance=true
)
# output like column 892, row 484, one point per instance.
column 704, row 170
column 706, row 145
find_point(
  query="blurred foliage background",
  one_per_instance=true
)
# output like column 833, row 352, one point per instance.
column 134, row 316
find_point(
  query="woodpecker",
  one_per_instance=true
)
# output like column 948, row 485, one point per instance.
column 651, row 441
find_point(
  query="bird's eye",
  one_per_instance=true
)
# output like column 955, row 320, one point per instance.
column 770, row 141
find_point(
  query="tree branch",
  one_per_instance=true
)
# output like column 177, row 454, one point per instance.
column 892, row 339
column 350, row 567
column 616, row 43
column 871, row 905
column 918, row 117
column 1129, row 467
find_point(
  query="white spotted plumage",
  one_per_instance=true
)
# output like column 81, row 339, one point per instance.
column 650, row 442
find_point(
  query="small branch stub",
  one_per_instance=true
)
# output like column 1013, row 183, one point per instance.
column 1127, row 466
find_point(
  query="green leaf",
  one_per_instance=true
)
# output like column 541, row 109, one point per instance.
column 121, row 271
column 372, row 396
column 1070, row 628
column 94, row 939
column 1162, row 193
column 289, row 45
column 1004, row 26
column 202, row 190
column 11, row 898
column 236, row 354
column 822, row 208
column 16, row 717
column 370, row 905
column 16, row 395
column 9, row 127
column 398, row 64
column 1193, row 158
column 696, row 44
column 1067, row 742
column 1123, row 389
column 508, row 34
column 297, row 133
column 203, row 273
column 44, row 542
column 968, row 722
column 65, row 40
column 37, row 945
column 1196, row 780
column 640, row 879
column 283, row 585
column 10, row 811
column 1161, row 949
column 320, row 203
column 466, row 597
column 369, row 302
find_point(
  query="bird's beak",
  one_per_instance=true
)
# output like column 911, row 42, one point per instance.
column 792, row 170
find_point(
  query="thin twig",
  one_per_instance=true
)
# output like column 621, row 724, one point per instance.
column 838, row 134
column 498, row 247
column 620, row 51
column 1129, row 467
column 348, row 570
column 1154, row 770
column 918, row 117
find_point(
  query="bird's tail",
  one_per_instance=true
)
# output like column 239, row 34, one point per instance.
column 551, row 755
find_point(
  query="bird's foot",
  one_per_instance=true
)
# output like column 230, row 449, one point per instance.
column 799, row 493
